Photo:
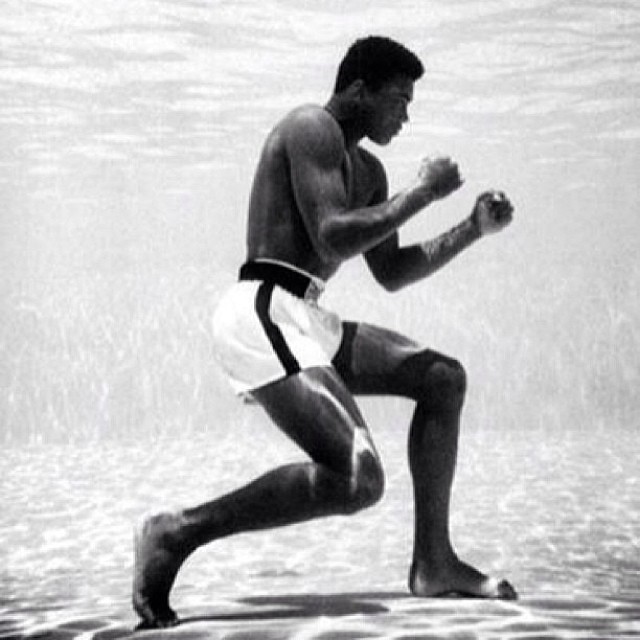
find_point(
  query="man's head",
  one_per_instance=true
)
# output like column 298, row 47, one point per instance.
column 376, row 60
column 375, row 79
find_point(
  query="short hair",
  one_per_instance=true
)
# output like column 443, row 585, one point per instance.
column 376, row 60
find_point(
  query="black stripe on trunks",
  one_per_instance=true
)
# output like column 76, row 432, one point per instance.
column 263, row 302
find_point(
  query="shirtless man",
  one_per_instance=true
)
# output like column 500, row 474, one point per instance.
column 319, row 199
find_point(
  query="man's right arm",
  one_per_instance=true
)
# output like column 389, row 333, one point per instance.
column 316, row 153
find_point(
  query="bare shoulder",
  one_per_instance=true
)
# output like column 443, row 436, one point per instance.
column 310, row 130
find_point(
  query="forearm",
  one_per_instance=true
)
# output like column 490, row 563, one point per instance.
column 419, row 261
column 354, row 232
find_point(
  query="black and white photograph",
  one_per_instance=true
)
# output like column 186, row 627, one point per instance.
column 319, row 320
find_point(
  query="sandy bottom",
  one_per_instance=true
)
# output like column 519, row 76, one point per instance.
column 558, row 514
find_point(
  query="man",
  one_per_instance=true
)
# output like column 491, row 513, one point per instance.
column 317, row 200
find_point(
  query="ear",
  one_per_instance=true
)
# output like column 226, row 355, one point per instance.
column 356, row 90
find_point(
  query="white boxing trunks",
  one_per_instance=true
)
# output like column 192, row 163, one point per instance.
column 269, row 326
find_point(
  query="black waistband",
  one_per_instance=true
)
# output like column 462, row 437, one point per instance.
column 293, row 281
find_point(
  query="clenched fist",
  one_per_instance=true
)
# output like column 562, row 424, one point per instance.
column 492, row 212
column 438, row 178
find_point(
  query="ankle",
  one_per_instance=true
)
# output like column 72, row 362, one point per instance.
column 433, row 563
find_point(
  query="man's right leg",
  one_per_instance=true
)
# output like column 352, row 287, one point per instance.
column 344, row 475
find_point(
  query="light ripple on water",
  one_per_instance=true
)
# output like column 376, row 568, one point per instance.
column 69, row 61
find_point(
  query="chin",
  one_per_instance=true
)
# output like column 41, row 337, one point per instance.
column 382, row 140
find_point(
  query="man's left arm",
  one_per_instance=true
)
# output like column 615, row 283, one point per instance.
column 395, row 267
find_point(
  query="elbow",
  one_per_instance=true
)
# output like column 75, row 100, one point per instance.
column 331, row 247
column 388, row 280
column 328, row 252
column 391, row 285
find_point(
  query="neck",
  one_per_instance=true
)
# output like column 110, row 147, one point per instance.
column 346, row 114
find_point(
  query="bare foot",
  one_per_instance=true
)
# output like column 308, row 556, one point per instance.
column 459, row 579
column 157, row 560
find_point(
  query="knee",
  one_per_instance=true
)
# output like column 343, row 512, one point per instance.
column 444, row 384
column 366, row 486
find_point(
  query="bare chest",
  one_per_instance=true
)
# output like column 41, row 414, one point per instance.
column 358, row 179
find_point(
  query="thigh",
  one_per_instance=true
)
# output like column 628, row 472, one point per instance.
column 317, row 411
column 378, row 361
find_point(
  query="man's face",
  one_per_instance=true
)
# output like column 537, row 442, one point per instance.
column 386, row 110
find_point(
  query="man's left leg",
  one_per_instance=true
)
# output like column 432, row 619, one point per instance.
column 375, row 361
